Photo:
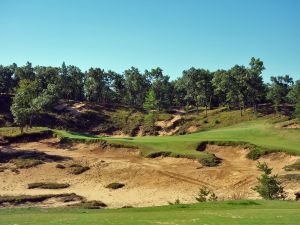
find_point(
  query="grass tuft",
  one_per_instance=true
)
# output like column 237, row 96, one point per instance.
column 47, row 185
column 78, row 169
column 26, row 163
column 115, row 186
column 294, row 166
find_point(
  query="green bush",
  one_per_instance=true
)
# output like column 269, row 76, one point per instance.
column 254, row 154
column 205, row 195
column 210, row 160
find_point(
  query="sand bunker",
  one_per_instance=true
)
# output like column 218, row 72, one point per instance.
column 148, row 182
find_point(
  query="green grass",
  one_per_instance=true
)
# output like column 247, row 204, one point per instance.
column 261, row 133
column 243, row 212
column 15, row 131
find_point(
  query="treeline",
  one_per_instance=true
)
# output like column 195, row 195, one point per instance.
column 36, row 88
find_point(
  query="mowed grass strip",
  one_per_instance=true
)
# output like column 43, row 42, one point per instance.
column 261, row 133
column 226, row 213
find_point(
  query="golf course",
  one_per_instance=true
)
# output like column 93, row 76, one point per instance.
column 139, row 112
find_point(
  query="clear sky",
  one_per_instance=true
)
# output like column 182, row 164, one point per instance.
column 171, row 34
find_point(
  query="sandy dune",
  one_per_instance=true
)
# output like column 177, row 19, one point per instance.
column 148, row 181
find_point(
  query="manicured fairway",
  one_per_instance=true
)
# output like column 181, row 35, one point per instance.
column 259, row 132
column 223, row 213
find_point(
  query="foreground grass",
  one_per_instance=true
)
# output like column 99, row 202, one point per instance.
column 225, row 213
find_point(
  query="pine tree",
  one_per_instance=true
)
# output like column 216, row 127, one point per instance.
column 269, row 187
column 150, row 101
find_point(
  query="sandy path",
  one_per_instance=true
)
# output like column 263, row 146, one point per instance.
column 148, row 181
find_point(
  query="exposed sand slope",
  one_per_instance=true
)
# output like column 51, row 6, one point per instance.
column 167, row 127
column 148, row 181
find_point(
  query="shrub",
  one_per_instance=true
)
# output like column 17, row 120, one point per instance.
column 205, row 121
column 294, row 166
column 22, row 199
column 47, row 185
column 254, row 154
column 269, row 187
column 217, row 121
column 26, row 163
column 205, row 195
column 210, row 160
column 78, row 169
column 158, row 154
column 91, row 205
column 115, row 185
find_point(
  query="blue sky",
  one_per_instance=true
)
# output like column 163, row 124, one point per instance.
column 171, row 34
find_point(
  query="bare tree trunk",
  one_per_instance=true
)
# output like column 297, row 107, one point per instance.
column 30, row 121
column 241, row 109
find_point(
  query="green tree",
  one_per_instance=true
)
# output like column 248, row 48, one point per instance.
column 97, row 86
column 118, row 87
column 6, row 79
column 178, row 93
column 161, row 87
column 150, row 105
column 221, row 87
column 198, row 86
column 294, row 93
column 136, row 85
column 25, row 72
column 150, row 101
column 255, row 87
column 269, row 187
column 29, row 100
column 71, row 82
column 297, row 110
column 279, row 89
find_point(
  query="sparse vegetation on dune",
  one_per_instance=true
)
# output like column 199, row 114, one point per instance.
column 44, row 185
column 23, row 199
column 294, row 166
column 115, row 185
column 26, row 163
column 77, row 169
